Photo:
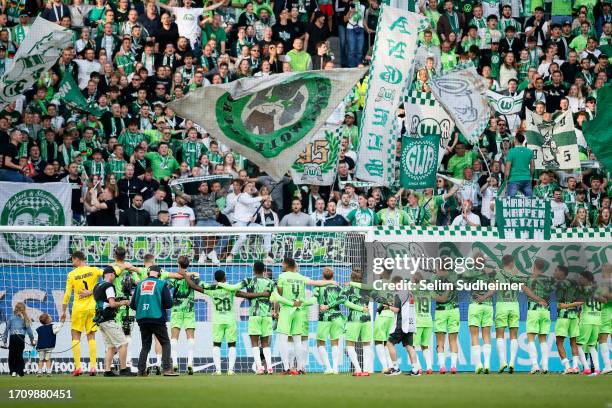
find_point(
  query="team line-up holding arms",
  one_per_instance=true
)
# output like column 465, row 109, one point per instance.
column 583, row 317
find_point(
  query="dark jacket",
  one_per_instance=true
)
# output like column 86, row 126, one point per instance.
column 135, row 217
column 128, row 188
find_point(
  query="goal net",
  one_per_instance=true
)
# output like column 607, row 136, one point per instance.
column 34, row 265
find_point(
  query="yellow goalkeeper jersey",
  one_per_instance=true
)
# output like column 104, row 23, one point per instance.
column 83, row 277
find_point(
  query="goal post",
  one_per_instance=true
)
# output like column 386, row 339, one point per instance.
column 34, row 262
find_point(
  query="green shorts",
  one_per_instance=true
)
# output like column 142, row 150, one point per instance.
column 447, row 321
column 183, row 320
column 290, row 321
column 606, row 319
column 538, row 321
column 423, row 336
column 260, row 326
column 588, row 335
column 480, row 315
column 382, row 327
column 305, row 322
column 331, row 329
column 507, row 314
column 227, row 331
column 359, row 332
column 566, row 327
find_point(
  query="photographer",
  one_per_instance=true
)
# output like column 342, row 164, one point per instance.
column 106, row 308
column 150, row 301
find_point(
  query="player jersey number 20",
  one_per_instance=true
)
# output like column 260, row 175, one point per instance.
column 223, row 305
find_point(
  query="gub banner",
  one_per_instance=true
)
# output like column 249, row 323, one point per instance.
column 419, row 161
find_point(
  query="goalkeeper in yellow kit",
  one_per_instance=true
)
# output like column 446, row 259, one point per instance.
column 82, row 280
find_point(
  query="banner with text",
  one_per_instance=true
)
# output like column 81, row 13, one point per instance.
column 553, row 142
column 390, row 74
column 419, row 161
column 318, row 162
column 523, row 217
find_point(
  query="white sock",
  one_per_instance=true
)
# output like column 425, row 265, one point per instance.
column 381, row 353
column 283, row 345
column 533, row 355
column 575, row 361
column 256, row 357
column 486, row 351
column 128, row 357
column 158, row 359
column 324, row 358
column 305, row 353
column 217, row 357
column 501, row 351
column 454, row 357
column 605, row 354
column 416, row 365
column 291, row 348
column 428, row 358
column 594, row 357
column 476, row 361
column 565, row 363
column 190, row 349
column 174, row 351
column 583, row 360
column 231, row 359
column 513, row 351
column 336, row 357
column 299, row 352
column 268, row 357
column 442, row 360
column 43, row 369
column 544, row 350
column 353, row 357
column 368, row 360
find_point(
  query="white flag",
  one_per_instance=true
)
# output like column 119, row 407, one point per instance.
column 390, row 74
column 462, row 92
column 39, row 51
column 27, row 204
column 553, row 143
column 505, row 104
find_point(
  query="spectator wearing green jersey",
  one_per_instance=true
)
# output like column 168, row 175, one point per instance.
column 362, row 216
column 392, row 216
column 520, row 166
column 593, row 298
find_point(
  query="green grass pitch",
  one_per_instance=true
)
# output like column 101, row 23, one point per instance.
column 318, row 391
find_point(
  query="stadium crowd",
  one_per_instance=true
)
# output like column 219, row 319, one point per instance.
column 123, row 153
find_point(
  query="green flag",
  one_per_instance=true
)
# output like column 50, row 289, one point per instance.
column 598, row 132
column 269, row 120
column 71, row 95
column 419, row 161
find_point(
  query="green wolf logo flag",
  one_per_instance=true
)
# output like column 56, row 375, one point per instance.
column 70, row 94
column 23, row 204
column 269, row 120
column 505, row 104
column 419, row 161
column 38, row 52
column 598, row 132
column 553, row 142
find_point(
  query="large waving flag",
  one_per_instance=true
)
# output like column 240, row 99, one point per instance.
column 553, row 142
column 269, row 120
column 462, row 92
column 71, row 95
column 39, row 51
column 598, row 132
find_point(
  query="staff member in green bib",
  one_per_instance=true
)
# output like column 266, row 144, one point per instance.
column 150, row 301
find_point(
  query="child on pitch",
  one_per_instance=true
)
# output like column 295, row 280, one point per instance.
column 46, row 343
column 18, row 326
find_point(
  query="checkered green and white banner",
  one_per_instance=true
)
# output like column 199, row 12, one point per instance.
column 26, row 204
column 390, row 73
column 461, row 233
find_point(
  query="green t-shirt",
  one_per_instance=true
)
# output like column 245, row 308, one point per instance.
column 162, row 166
column 330, row 296
column 567, row 291
column 508, row 295
column 362, row 217
column 209, row 32
column 541, row 286
column 475, row 275
column 452, row 301
column 561, row 8
column 223, row 302
column 520, row 157
column 456, row 164
column 355, row 299
column 422, row 305
column 591, row 309
column 293, row 286
column 183, row 295
column 260, row 306
column 130, row 141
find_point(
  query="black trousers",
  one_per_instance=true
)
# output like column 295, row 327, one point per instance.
column 15, row 357
column 147, row 331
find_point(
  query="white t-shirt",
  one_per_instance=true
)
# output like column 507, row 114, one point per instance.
column 558, row 209
column 187, row 22
column 181, row 216
column 460, row 221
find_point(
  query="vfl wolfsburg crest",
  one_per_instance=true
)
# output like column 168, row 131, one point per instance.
column 504, row 104
column 419, row 161
column 42, row 206
column 269, row 120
